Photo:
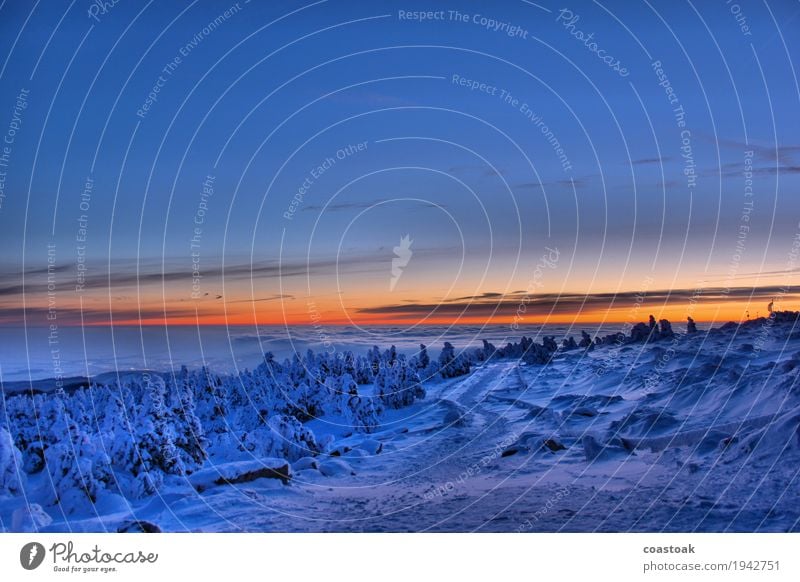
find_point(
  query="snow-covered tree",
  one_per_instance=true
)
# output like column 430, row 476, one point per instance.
column 155, row 435
column 78, row 467
column 211, row 403
column 11, row 475
column 364, row 413
column 665, row 328
column 117, row 437
column 424, row 360
column 189, row 435
column 291, row 439
column 398, row 383
column 363, row 371
column 308, row 402
column 452, row 365
column 569, row 343
column 586, row 340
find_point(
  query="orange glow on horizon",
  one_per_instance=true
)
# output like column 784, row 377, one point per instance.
column 677, row 314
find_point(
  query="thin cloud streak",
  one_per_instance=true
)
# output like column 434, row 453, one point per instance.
column 546, row 303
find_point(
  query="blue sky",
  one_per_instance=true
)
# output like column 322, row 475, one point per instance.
column 274, row 89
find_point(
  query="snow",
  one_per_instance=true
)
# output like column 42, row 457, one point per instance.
column 661, row 431
column 335, row 468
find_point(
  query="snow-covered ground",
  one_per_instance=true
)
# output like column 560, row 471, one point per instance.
column 699, row 432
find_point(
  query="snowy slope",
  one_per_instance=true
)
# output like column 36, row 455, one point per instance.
column 695, row 433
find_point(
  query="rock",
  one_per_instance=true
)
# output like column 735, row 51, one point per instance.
column 372, row 446
column 305, row 463
column 241, row 472
column 595, row 451
column 530, row 442
column 138, row 526
column 339, row 450
column 554, row 445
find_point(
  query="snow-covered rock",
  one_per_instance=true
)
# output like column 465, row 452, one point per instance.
column 305, row 463
column 30, row 518
column 596, row 451
column 138, row 526
column 241, row 472
column 371, row 446
column 531, row 442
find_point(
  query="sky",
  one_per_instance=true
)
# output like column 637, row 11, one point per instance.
column 327, row 163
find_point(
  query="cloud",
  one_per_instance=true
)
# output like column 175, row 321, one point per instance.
column 124, row 273
column 99, row 313
column 37, row 316
column 343, row 206
column 777, row 170
column 109, row 292
column 768, row 159
column 657, row 160
column 488, row 295
column 496, row 304
column 737, row 170
column 276, row 297
column 780, row 154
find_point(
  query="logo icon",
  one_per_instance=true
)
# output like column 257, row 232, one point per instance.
column 31, row 555
column 402, row 256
